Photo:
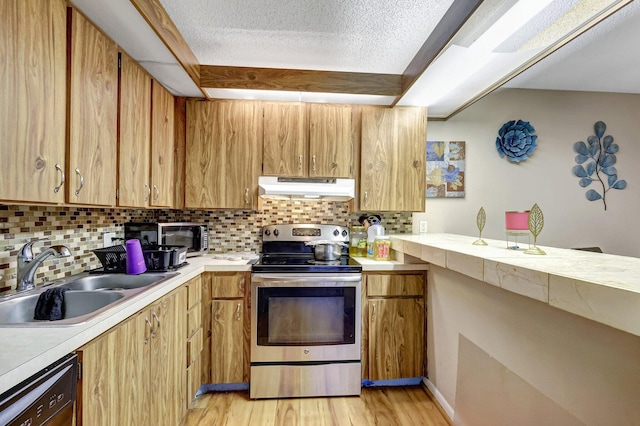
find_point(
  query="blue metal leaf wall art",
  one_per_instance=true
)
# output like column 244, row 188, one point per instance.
column 596, row 161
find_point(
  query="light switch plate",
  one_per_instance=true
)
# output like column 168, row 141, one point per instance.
column 107, row 239
column 423, row 226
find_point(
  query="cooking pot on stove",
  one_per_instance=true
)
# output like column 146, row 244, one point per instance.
column 326, row 250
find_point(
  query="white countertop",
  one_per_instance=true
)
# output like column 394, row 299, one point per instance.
column 27, row 350
column 602, row 287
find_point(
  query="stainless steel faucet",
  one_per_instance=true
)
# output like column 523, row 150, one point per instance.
column 28, row 263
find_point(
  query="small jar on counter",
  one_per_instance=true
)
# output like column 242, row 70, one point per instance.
column 358, row 244
column 381, row 248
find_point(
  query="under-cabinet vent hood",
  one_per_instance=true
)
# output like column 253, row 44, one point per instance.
column 286, row 188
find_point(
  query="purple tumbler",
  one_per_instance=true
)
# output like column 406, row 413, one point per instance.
column 135, row 259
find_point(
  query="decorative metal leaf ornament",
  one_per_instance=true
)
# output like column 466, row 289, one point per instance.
column 536, row 223
column 481, row 220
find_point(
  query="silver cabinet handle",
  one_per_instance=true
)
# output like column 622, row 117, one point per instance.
column 155, row 316
column 151, row 333
column 373, row 312
column 81, row 181
column 246, row 196
column 238, row 312
column 300, row 162
column 313, row 163
column 62, row 178
column 146, row 185
column 366, row 198
column 157, row 193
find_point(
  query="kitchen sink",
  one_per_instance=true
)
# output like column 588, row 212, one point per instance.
column 115, row 281
column 77, row 304
column 87, row 296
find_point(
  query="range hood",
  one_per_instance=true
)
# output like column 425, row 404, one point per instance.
column 287, row 188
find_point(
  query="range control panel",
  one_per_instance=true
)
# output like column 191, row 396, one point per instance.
column 305, row 232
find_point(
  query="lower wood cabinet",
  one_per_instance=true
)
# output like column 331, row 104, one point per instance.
column 135, row 373
column 195, row 337
column 393, row 325
column 229, row 327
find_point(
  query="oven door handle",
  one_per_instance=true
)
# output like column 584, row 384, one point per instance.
column 305, row 278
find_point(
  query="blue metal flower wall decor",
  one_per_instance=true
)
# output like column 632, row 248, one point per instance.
column 596, row 162
column 516, row 140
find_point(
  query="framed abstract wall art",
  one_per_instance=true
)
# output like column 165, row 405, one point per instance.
column 445, row 169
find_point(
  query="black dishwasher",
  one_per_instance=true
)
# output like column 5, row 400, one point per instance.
column 46, row 398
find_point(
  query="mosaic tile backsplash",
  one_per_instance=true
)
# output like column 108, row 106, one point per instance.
column 81, row 229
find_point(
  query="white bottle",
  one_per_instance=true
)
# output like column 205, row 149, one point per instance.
column 374, row 231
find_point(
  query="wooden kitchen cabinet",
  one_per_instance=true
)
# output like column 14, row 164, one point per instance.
column 229, row 327
column 135, row 373
column 134, row 142
column 195, row 337
column 93, row 114
column 285, row 140
column 162, row 147
column 32, row 111
column 394, row 326
column 393, row 159
column 224, row 154
column 330, row 142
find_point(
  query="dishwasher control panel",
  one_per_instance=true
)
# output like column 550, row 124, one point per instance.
column 40, row 398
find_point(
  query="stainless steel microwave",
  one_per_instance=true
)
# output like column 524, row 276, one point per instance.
column 195, row 236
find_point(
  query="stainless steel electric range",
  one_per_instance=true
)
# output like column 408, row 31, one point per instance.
column 305, row 316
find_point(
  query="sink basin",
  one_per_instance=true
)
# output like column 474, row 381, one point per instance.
column 88, row 296
column 115, row 282
column 77, row 304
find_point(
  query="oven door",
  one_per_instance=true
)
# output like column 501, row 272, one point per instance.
column 305, row 317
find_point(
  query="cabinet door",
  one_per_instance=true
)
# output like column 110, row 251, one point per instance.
column 393, row 157
column 162, row 147
column 396, row 338
column 330, row 143
column 227, row 339
column 93, row 115
column 285, row 147
column 134, row 139
column 224, row 154
column 32, row 110
column 168, row 376
column 114, row 388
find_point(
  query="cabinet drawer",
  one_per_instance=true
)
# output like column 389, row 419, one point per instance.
column 194, row 381
column 194, row 292
column 227, row 286
column 194, row 319
column 194, row 347
column 395, row 285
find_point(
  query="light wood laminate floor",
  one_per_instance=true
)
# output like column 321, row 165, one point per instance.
column 393, row 406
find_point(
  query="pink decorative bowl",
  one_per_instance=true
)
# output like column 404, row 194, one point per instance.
column 517, row 221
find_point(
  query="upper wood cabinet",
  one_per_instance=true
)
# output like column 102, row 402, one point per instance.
column 162, row 147
column 32, row 110
column 285, row 145
column 330, row 143
column 93, row 114
column 224, row 154
column 307, row 140
column 135, row 135
column 393, row 159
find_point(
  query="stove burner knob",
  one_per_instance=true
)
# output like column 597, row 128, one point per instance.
column 276, row 232
column 336, row 233
column 344, row 233
column 267, row 232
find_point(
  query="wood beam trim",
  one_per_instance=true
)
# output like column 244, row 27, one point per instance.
column 455, row 17
column 225, row 77
column 158, row 19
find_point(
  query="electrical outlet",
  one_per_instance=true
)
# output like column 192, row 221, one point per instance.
column 107, row 239
column 423, row 226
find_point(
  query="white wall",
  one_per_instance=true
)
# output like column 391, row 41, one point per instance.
column 500, row 359
column 560, row 119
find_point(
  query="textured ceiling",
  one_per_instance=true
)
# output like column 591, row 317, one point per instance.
column 376, row 36
column 604, row 59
